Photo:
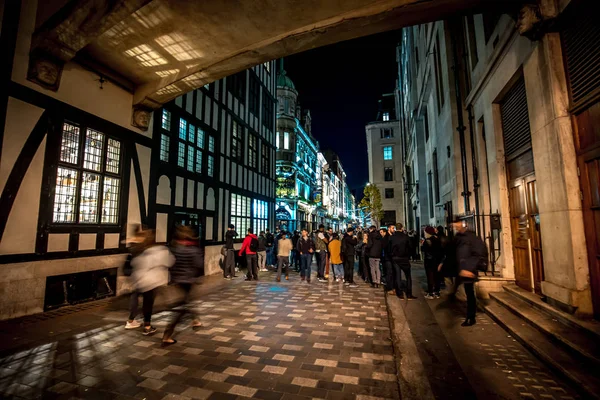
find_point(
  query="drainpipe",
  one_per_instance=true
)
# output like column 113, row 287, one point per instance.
column 474, row 166
column 461, row 125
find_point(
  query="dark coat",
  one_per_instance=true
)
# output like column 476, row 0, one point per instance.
column 432, row 251
column 374, row 245
column 399, row 246
column 303, row 246
column 349, row 245
column 229, row 236
column 262, row 243
column 189, row 262
column 466, row 257
column 385, row 241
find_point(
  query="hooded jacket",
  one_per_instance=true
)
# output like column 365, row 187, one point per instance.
column 374, row 245
column 246, row 245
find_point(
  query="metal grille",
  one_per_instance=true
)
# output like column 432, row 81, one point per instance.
column 581, row 41
column 515, row 121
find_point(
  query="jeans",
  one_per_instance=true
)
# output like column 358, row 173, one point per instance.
column 338, row 270
column 305, row 266
column 262, row 259
column 252, row 264
column 375, row 271
column 402, row 265
column 270, row 256
column 321, row 261
column 388, row 273
column 433, row 278
column 182, row 308
column 148, row 299
column 281, row 262
column 471, row 300
column 229, row 269
column 349, row 268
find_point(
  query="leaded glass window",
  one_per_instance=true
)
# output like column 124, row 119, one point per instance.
column 88, row 183
column 166, row 120
column 164, row 147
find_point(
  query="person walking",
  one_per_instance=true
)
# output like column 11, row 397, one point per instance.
column 262, row 252
column 284, row 248
column 349, row 243
column 386, row 262
column 306, row 249
column 471, row 256
column 335, row 254
column 400, row 250
column 374, row 250
column 189, row 263
column 270, row 243
column 250, row 247
column 321, row 240
column 295, row 254
column 149, row 272
column 229, row 270
column 433, row 255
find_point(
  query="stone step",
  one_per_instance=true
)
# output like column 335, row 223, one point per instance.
column 591, row 328
column 582, row 376
column 578, row 341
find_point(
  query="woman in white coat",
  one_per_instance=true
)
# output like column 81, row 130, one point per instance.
column 150, row 271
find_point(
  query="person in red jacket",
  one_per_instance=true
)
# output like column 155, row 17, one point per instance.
column 250, row 247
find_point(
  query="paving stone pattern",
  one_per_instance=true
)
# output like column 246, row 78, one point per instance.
column 262, row 340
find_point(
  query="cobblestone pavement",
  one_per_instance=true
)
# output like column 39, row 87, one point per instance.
column 263, row 340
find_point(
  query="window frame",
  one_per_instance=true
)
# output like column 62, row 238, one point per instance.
column 80, row 167
column 252, row 151
column 388, row 153
column 389, row 193
column 237, row 136
column 385, row 174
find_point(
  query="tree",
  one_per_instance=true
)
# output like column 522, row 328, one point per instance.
column 372, row 203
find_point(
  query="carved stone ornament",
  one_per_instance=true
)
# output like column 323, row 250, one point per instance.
column 45, row 71
column 530, row 22
column 141, row 118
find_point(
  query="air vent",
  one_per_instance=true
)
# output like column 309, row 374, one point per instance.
column 515, row 121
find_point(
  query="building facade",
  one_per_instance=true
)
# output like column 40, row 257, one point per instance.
column 511, row 138
column 78, row 172
column 384, row 149
column 311, row 185
column 216, row 160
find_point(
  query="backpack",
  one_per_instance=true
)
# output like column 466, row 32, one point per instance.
column 253, row 245
column 479, row 250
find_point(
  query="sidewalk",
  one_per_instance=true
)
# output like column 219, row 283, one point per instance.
column 454, row 362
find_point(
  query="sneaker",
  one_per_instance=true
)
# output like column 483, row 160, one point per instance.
column 228, row 277
column 436, row 295
column 353, row 285
column 321, row 280
column 149, row 331
column 346, row 283
column 429, row 296
column 132, row 325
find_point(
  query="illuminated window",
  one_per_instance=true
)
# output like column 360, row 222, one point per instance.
column 264, row 159
column 386, row 116
column 198, row 161
column 182, row 129
column 211, row 166
column 88, row 179
column 164, row 148
column 286, row 140
column 252, row 151
column 200, row 138
column 387, row 153
column 211, row 144
column 240, row 213
column 166, row 120
column 260, row 214
column 192, row 133
column 181, row 155
column 190, row 158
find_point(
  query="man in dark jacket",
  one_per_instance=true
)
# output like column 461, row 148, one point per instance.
column 432, row 255
column 295, row 253
column 270, row 249
column 229, row 270
column 386, row 261
column 400, row 250
column 306, row 248
column 468, row 256
column 374, row 249
column 349, row 243
column 262, row 252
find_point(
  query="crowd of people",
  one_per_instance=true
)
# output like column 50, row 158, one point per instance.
column 384, row 257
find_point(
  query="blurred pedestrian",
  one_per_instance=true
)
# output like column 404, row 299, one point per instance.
column 249, row 248
column 335, row 250
column 374, row 250
column 284, row 248
column 349, row 243
column 149, row 271
column 306, row 249
column 230, row 235
column 189, row 263
column 262, row 252
column 433, row 255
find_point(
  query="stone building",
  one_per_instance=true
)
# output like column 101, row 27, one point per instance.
column 384, row 150
column 513, row 137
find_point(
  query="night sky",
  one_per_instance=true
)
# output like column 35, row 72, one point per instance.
column 341, row 85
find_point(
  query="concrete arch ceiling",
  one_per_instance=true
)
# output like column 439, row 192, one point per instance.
column 160, row 49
